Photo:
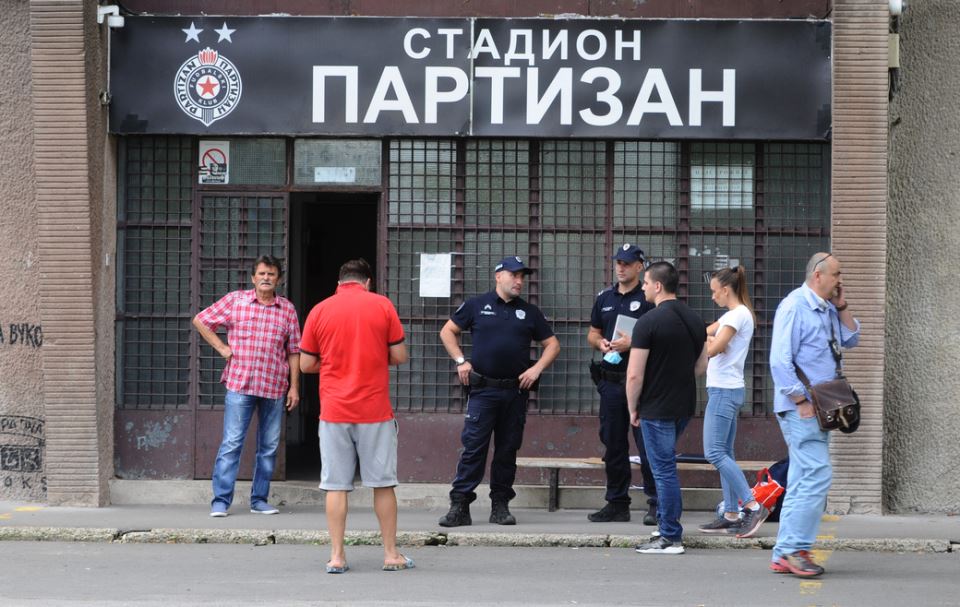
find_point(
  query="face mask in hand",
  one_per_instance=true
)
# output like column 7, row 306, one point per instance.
column 613, row 357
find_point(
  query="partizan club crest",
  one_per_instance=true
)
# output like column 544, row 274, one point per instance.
column 207, row 86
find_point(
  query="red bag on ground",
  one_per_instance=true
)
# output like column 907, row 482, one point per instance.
column 767, row 489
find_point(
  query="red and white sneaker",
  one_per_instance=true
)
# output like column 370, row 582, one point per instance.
column 798, row 563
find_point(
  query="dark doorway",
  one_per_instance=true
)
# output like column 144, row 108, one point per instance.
column 325, row 231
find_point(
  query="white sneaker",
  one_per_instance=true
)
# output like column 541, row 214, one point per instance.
column 661, row 545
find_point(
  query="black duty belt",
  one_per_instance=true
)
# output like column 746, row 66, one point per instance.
column 597, row 372
column 616, row 377
column 482, row 381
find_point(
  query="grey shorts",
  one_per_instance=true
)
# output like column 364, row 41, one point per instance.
column 342, row 445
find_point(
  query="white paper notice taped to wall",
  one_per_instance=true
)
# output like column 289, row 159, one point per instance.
column 435, row 274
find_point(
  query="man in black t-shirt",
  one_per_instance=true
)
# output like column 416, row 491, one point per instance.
column 667, row 354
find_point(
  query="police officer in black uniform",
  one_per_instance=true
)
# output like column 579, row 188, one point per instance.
column 500, row 376
column 625, row 298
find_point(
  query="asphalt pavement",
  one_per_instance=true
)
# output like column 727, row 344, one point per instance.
column 70, row 574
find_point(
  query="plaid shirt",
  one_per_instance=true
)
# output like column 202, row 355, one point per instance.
column 261, row 338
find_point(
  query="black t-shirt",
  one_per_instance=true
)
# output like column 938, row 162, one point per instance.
column 609, row 304
column 675, row 335
column 501, row 333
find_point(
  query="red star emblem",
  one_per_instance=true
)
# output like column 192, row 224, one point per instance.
column 208, row 87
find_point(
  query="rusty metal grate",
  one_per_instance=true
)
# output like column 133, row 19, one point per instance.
column 566, row 205
column 153, row 251
column 234, row 230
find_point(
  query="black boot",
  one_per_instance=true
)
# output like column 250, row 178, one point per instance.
column 458, row 516
column 500, row 514
column 617, row 512
column 650, row 518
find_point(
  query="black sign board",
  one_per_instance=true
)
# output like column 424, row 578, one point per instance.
column 371, row 76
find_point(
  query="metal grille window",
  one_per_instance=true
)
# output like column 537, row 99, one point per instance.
column 563, row 205
column 421, row 210
column 646, row 184
column 153, row 249
column 566, row 205
column 422, row 174
column 497, row 183
column 162, row 250
column 234, row 230
column 258, row 162
column 573, row 183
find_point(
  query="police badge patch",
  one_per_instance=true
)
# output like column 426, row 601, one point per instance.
column 521, row 314
column 207, row 86
column 634, row 306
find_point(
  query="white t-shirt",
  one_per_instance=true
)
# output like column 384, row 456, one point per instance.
column 725, row 370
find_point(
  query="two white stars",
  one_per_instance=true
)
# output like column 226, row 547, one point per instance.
column 193, row 33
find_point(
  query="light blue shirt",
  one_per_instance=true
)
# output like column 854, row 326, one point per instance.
column 801, row 336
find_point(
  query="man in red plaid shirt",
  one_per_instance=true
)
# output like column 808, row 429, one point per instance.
column 262, row 352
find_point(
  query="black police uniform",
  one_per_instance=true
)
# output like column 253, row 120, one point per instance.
column 501, row 333
column 614, row 415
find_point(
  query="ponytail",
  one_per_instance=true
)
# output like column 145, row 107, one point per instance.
column 736, row 279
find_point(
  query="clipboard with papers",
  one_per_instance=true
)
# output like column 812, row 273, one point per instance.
column 624, row 324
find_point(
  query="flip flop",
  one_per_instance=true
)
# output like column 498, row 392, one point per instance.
column 332, row 569
column 406, row 564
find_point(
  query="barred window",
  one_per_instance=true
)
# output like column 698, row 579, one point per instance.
column 153, row 251
column 234, row 230
column 566, row 206
column 562, row 205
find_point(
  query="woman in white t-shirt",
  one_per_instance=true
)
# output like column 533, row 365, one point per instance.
column 728, row 340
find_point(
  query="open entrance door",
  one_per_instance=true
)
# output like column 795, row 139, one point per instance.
column 325, row 231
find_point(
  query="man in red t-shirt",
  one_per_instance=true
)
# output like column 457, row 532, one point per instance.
column 352, row 338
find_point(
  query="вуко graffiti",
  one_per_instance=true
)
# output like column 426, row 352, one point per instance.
column 24, row 333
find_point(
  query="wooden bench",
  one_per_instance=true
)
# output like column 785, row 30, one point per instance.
column 555, row 464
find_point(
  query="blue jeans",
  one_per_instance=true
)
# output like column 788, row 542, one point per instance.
column 808, row 482
column 496, row 412
column 237, row 413
column 719, row 433
column 615, row 429
column 660, row 437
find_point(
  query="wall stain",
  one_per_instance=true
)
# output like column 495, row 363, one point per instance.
column 155, row 434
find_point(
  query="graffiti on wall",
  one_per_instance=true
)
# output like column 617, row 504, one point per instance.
column 21, row 334
column 21, row 456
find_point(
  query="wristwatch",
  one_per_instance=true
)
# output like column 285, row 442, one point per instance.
column 459, row 360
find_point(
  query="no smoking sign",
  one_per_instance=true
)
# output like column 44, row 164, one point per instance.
column 214, row 162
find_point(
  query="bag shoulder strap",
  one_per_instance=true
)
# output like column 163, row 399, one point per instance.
column 834, row 347
column 693, row 338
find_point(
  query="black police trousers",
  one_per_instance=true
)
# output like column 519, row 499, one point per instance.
column 499, row 413
column 615, row 430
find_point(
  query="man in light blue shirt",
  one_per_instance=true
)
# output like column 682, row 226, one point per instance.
column 806, row 322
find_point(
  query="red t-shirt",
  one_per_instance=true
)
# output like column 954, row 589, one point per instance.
column 351, row 332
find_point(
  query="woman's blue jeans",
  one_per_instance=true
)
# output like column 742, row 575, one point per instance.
column 719, row 434
column 237, row 413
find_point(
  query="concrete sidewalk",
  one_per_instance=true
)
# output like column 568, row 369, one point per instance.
column 306, row 524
